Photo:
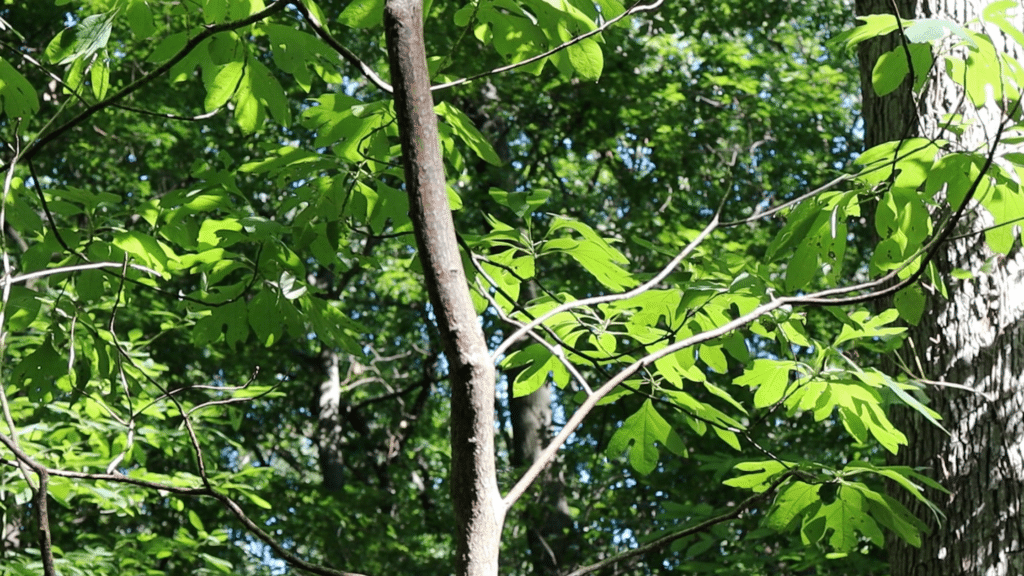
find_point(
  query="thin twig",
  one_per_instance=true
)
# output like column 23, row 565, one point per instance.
column 607, row 24
column 341, row 50
column 5, row 280
column 704, row 526
column 207, row 31
column 665, row 271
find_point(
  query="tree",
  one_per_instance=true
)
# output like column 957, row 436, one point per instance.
column 967, row 344
column 150, row 297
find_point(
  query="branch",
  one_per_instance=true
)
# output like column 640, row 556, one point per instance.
column 39, row 495
column 879, row 287
column 611, row 297
column 634, row 10
column 670, row 538
column 5, row 281
column 345, row 53
column 191, row 45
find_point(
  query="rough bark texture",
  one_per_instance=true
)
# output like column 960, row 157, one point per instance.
column 479, row 511
column 976, row 339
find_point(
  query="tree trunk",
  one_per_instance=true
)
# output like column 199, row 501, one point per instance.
column 329, row 428
column 974, row 339
column 479, row 510
column 549, row 522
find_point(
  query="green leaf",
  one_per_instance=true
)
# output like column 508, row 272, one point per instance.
column 230, row 321
column 847, row 516
column 264, row 317
column 902, row 475
column 194, row 520
column 22, row 308
column 362, row 14
column 1006, row 206
column 759, row 474
column 996, row 13
column 220, row 564
column 861, row 324
column 713, row 356
column 140, row 19
column 892, row 67
column 984, row 77
column 248, row 112
column 269, row 92
column 145, row 249
column 771, row 377
column 638, row 435
column 17, row 97
column 225, row 83
column 802, row 267
column 586, row 57
column 611, row 8
column 215, row 10
column 463, row 127
column 789, row 505
column 36, row 373
column 890, row 513
column 82, row 41
column 874, row 25
column 910, row 302
column 875, row 378
column 540, row 365
column 594, row 253
column 99, row 77
column 522, row 203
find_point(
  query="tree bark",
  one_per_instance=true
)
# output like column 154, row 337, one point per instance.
column 479, row 511
column 329, row 427
column 976, row 338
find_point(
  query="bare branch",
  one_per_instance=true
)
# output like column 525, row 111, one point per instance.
column 74, row 268
column 611, row 297
column 39, row 495
column 555, row 350
column 341, row 50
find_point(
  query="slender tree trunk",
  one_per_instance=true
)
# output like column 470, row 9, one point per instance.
column 479, row 510
column 974, row 339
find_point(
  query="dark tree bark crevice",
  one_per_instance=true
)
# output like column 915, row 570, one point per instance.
column 976, row 339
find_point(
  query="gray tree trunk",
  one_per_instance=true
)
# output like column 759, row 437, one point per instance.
column 975, row 339
column 479, row 509
column 329, row 425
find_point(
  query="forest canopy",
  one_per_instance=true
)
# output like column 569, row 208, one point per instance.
column 555, row 287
